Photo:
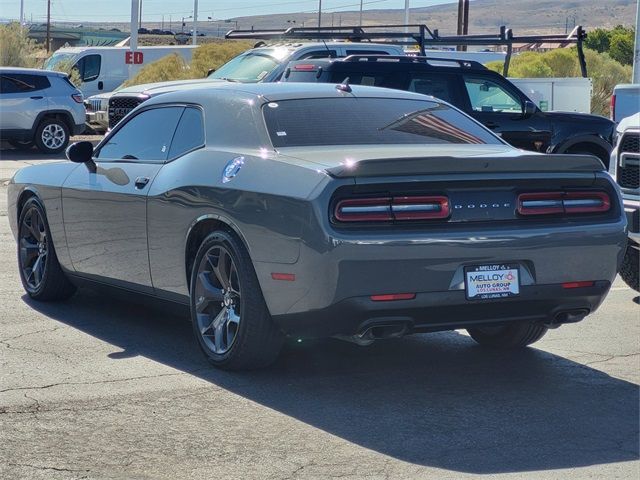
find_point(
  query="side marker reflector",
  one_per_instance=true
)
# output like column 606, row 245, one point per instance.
column 287, row 277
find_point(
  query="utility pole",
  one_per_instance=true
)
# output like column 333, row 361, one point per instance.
column 140, row 16
column 319, row 13
column 406, row 15
column 463, row 21
column 21, row 12
column 133, row 39
column 360, row 13
column 636, row 48
column 194, row 38
column 48, row 44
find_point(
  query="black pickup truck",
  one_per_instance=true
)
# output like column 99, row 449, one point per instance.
column 483, row 94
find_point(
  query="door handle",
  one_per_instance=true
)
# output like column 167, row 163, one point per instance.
column 141, row 182
column 37, row 97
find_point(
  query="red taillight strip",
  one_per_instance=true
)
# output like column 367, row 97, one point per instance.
column 390, row 297
column 569, row 285
column 392, row 208
column 547, row 203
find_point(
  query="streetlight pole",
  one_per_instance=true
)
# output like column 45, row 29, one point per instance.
column 406, row 15
column 48, row 25
column 21, row 12
column 195, row 23
column 636, row 48
column 360, row 13
column 319, row 13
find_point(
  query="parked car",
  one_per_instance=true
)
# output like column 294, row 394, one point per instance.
column 97, row 107
column 481, row 93
column 625, row 101
column 390, row 213
column 39, row 107
column 260, row 64
column 103, row 69
column 625, row 168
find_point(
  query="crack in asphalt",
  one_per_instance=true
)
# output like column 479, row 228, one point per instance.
column 611, row 357
column 144, row 377
column 3, row 340
column 44, row 467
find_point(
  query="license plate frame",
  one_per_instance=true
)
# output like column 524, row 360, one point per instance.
column 481, row 281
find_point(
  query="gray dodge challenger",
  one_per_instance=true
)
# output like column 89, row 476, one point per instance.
column 315, row 210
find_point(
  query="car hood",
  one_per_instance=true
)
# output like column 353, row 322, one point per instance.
column 151, row 88
column 629, row 122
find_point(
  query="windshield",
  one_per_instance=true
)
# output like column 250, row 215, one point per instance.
column 248, row 67
column 366, row 121
column 57, row 59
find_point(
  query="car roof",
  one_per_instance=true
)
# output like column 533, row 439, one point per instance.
column 31, row 71
column 392, row 62
column 198, row 93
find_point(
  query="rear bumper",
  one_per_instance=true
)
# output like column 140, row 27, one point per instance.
column 98, row 119
column 447, row 310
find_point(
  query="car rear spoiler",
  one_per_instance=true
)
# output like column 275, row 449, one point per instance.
column 446, row 165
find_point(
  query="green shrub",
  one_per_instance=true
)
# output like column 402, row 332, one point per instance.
column 16, row 48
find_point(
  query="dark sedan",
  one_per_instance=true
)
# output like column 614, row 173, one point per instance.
column 303, row 210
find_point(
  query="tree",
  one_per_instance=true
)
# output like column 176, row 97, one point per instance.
column 621, row 47
column 598, row 40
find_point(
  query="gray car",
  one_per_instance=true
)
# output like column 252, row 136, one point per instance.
column 40, row 107
column 315, row 210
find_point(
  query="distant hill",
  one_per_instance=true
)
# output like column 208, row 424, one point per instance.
column 523, row 16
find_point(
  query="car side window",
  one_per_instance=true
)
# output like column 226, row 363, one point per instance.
column 486, row 95
column 145, row 137
column 436, row 85
column 17, row 83
column 319, row 54
column 189, row 134
column 89, row 67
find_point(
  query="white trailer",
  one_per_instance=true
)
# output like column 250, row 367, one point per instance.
column 559, row 94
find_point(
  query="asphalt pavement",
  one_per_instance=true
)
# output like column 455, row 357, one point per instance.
column 99, row 388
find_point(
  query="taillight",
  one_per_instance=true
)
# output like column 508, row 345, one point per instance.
column 387, row 209
column 305, row 67
column 549, row 203
column 77, row 97
column 612, row 110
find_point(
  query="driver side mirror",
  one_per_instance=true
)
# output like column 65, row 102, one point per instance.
column 210, row 71
column 82, row 152
column 529, row 109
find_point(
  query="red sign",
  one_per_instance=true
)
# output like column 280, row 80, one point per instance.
column 133, row 57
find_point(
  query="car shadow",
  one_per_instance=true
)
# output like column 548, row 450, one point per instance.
column 435, row 400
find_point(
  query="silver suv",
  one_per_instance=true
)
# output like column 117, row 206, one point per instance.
column 40, row 107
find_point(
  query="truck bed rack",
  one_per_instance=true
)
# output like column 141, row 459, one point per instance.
column 416, row 34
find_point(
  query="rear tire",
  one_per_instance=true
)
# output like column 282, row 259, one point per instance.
column 516, row 335
column 40, row 272
column 52, row 135
column 231, row 322
column 629, row 268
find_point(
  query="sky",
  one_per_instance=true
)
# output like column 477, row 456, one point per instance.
column 120, row 10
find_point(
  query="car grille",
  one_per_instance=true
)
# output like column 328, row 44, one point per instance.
column 119, row 107
column 629, row 175
column 96, row 104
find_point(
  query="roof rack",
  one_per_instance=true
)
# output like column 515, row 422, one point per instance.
column 417, row 34
column 413, row 59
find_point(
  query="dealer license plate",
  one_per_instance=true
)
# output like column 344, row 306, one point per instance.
column 492, row 281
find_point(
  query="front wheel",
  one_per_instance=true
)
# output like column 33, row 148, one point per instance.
column 629, row 268
column 40, row 272
column 52, row 135
column 230, row 319
column 516, row 335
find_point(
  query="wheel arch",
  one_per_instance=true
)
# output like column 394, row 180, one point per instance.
column 591, row 143
column 199, row 229
column 63, row 115
column 25, row 195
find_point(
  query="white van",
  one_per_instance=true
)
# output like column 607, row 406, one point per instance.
column 103, row 69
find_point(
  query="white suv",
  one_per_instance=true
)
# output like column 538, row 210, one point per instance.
column 40, row 107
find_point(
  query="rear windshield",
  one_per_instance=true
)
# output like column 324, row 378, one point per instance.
column 366, row 121
column 252, row 66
